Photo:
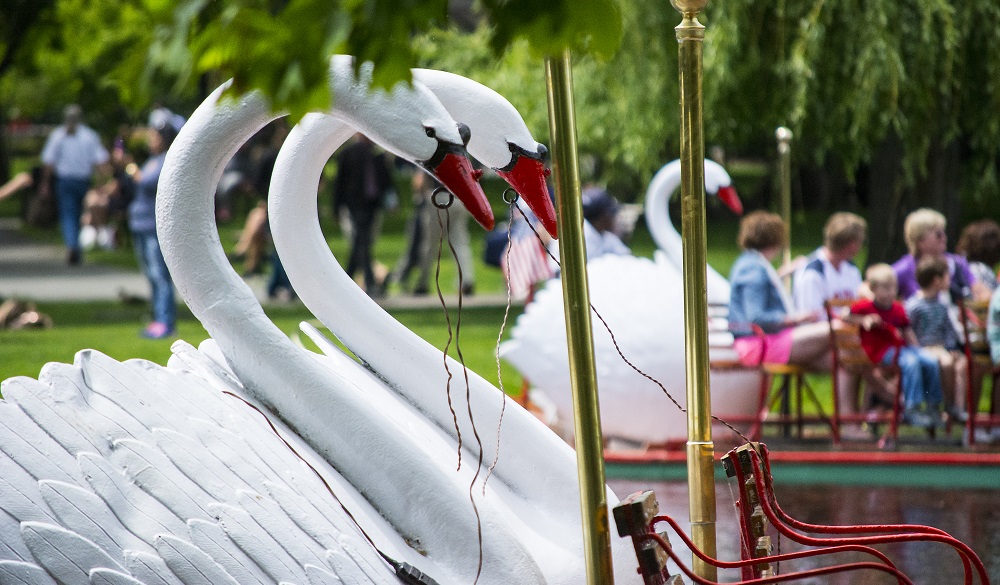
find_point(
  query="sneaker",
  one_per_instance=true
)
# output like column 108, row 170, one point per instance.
column 855, row 433
column 73, row 257
column 956, row 414
column 156, row 330
column 919, row 419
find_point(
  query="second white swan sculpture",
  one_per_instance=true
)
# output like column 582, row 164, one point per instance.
column 405, row 362
column 642, row 302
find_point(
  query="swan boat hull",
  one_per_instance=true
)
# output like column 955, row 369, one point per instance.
column 647, row 331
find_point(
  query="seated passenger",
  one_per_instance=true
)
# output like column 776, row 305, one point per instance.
column 759, row 298
column 886, row 332
column 936, row 334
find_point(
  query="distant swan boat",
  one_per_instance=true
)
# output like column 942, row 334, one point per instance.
column 642, row 301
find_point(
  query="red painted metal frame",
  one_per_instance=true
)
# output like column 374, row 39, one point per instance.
column 903, row 579
column 897, row 532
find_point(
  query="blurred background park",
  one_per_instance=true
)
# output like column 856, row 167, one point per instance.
column 892, row 105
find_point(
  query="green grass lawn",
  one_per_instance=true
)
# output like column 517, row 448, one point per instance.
column 112, row 328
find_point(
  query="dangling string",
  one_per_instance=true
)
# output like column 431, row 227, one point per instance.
column 619, row 349
column 510, row 197
column 447, row 316
column 444, row 225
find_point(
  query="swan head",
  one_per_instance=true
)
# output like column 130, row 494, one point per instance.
column 450, row 165
column 526, row 173
column 500, row 139
column 409, row 121
column 718, row 182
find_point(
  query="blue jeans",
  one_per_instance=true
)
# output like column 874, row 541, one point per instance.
column 279, row 278
column 69, row 194
column 921, row 375
column 147, row 252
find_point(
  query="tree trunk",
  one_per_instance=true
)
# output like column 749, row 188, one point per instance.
column 884, row 192
column 941, row 188
column 890, row 200
column 826, row 188
column 4, row 149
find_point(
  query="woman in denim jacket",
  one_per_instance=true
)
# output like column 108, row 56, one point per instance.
column 759, row 298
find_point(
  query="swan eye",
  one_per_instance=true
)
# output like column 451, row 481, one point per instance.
column 430, row 132
column 465, row 133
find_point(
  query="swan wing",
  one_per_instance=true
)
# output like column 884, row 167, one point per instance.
column 136, row 493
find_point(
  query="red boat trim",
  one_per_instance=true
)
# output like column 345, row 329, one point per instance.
column 820, row 457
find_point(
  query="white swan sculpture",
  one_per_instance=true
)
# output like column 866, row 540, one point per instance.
column 403, row 360
column 126, row 473
column 668, row 241
column 642, row 301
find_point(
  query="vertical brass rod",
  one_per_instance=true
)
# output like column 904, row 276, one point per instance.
column 576, row 301
column 700, row 448
column 784, row 137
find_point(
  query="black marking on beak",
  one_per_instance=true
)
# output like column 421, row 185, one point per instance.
column 444, row 148
column 542, row 154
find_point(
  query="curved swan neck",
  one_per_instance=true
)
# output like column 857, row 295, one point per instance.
column 657, row 211
column 405, row 361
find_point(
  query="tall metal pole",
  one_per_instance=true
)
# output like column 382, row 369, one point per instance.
column 700, row 448
column 576, row 301
column 784, row 137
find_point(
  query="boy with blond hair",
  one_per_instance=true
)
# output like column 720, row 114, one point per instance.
column 886, row 337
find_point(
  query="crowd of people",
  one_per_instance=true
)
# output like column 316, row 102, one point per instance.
column 907, row 312
column 73, row 157
column 103, row 196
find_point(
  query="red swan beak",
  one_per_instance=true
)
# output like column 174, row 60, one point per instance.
column 527, row 177
column 728, row 196
column 456, row 174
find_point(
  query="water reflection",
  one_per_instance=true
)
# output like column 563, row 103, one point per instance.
column 972, row 516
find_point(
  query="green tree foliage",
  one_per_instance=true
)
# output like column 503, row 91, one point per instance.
column 54, row 52
column 87, row 51
column 847, row 75
column 282, row 47
column 626, row 105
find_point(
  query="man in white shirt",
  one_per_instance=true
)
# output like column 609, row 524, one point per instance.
column 70, row 154
column 829, row 272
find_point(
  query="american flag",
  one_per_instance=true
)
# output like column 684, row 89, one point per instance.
column 524, row 264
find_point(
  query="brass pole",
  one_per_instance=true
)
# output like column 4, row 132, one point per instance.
column 576, row 302
column 700, row 448
column 784, row 136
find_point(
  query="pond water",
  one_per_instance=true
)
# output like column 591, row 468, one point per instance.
column 970, row 515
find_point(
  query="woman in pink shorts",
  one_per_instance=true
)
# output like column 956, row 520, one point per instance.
column 758, row 298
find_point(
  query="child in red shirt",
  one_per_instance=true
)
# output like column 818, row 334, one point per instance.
column 885, row 331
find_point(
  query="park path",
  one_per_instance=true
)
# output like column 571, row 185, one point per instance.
column 37, row 271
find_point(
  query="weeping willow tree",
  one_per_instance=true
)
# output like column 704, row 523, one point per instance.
column 900, row 97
